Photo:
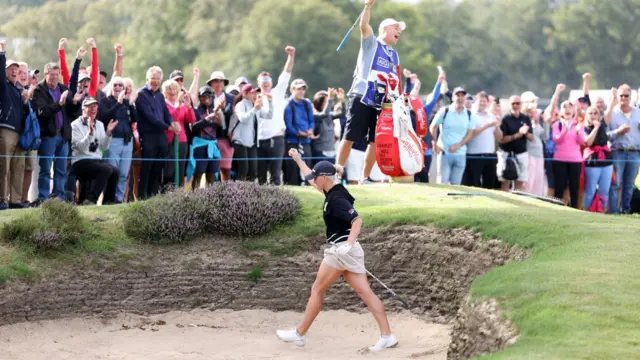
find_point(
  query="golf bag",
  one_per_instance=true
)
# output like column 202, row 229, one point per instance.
column 399, row 151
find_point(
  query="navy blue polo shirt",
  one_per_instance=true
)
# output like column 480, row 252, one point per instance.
column 338, row 213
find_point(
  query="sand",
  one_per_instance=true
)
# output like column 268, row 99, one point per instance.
column 221, row 334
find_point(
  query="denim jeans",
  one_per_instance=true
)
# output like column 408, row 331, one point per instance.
column 600, row 176
column 119, row 156
column 52, row 150
column 452, row 168
column 626, row 164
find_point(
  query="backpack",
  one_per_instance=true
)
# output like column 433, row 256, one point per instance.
column 30, row 138
column 635, row 201
column 510, row 172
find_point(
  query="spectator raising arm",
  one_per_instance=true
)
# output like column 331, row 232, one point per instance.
column 586, row 86
column 551, row 110
column 62, row 57
column 613, row 102
column 118, row 64
column 95, row 70
column 193, row 90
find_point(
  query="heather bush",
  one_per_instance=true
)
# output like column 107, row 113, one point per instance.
column 56, row 224
column 246, row 209
column 171, row 218
column 226, row 208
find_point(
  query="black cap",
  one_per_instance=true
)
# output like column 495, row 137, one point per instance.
column 104, row 73
column 323, row 168
column 205, row 90
column 176, row 74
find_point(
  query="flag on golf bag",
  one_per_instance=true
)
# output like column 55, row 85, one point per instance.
column 399, row 151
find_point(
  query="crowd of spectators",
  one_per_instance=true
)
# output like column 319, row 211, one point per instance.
column 105, row 140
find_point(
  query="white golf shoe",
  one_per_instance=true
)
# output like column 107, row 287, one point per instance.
column 384, row 342
column 291, row 336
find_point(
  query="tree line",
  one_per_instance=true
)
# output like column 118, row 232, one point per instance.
column 501, row 46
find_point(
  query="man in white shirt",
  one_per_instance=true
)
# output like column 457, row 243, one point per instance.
column 481, row 149
column 88, row 140
column 271, row 144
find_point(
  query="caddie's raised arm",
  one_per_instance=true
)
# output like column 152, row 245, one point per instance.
column 365, row 28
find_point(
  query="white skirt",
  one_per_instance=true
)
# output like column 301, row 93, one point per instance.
column 355, row 264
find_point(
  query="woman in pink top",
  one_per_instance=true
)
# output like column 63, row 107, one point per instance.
column 568, row 135
column 183, row 114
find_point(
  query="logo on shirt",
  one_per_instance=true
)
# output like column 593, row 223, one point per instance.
column 383, row 62
column 351, row 211
column 325, row 206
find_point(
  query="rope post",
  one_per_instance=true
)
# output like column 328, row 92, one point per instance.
column 176, row 154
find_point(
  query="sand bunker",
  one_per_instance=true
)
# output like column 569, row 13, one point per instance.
column 221, row 334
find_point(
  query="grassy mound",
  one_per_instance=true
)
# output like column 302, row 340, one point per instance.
column 57, row 224
column 575, row 298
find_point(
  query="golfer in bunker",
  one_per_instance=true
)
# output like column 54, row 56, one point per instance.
column 344, row 258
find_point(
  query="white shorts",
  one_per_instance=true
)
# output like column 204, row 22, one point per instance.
column 354, row 165
column 355, row 265
column 522, row 163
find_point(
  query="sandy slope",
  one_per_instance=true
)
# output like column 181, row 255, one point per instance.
column 202, row 334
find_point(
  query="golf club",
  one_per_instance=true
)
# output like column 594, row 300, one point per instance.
column 396, row 296
column 344, row 41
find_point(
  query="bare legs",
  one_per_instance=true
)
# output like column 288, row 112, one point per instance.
column 325, row 278
column 369, row 160
column 360, row 284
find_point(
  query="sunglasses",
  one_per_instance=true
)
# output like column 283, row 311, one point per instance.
column 624, row 95
column 515, row 103
column 120, row 85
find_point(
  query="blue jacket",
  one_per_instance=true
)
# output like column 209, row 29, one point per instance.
column 12, row 110
column 304, row 120
column 153, row 114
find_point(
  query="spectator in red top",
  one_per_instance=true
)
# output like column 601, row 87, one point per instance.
column 177, row 103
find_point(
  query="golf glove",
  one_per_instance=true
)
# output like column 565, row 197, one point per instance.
column 342, row 249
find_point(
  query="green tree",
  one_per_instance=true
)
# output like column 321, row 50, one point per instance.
column 35, row 40
column 156, row 36
column 603, row 37
column 314, row 27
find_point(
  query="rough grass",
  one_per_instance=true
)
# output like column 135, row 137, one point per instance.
column 577, row 297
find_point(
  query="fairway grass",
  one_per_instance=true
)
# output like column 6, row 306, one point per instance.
column 577, row 297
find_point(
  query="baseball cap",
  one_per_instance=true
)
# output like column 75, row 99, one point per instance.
column 298, row 83
column 528, row 96
column 33, row 72
column 11, row 63
column 241, row 80
column 206, row 90
column 390, row 21
column 248, row 88
column 323, row 168
column 232, row 89
column 104, row 73
column 459, row 90
column 176, row 74
column 88, row 101
column 83, row 77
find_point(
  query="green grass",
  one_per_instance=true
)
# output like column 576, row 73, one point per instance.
column 577, row 297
